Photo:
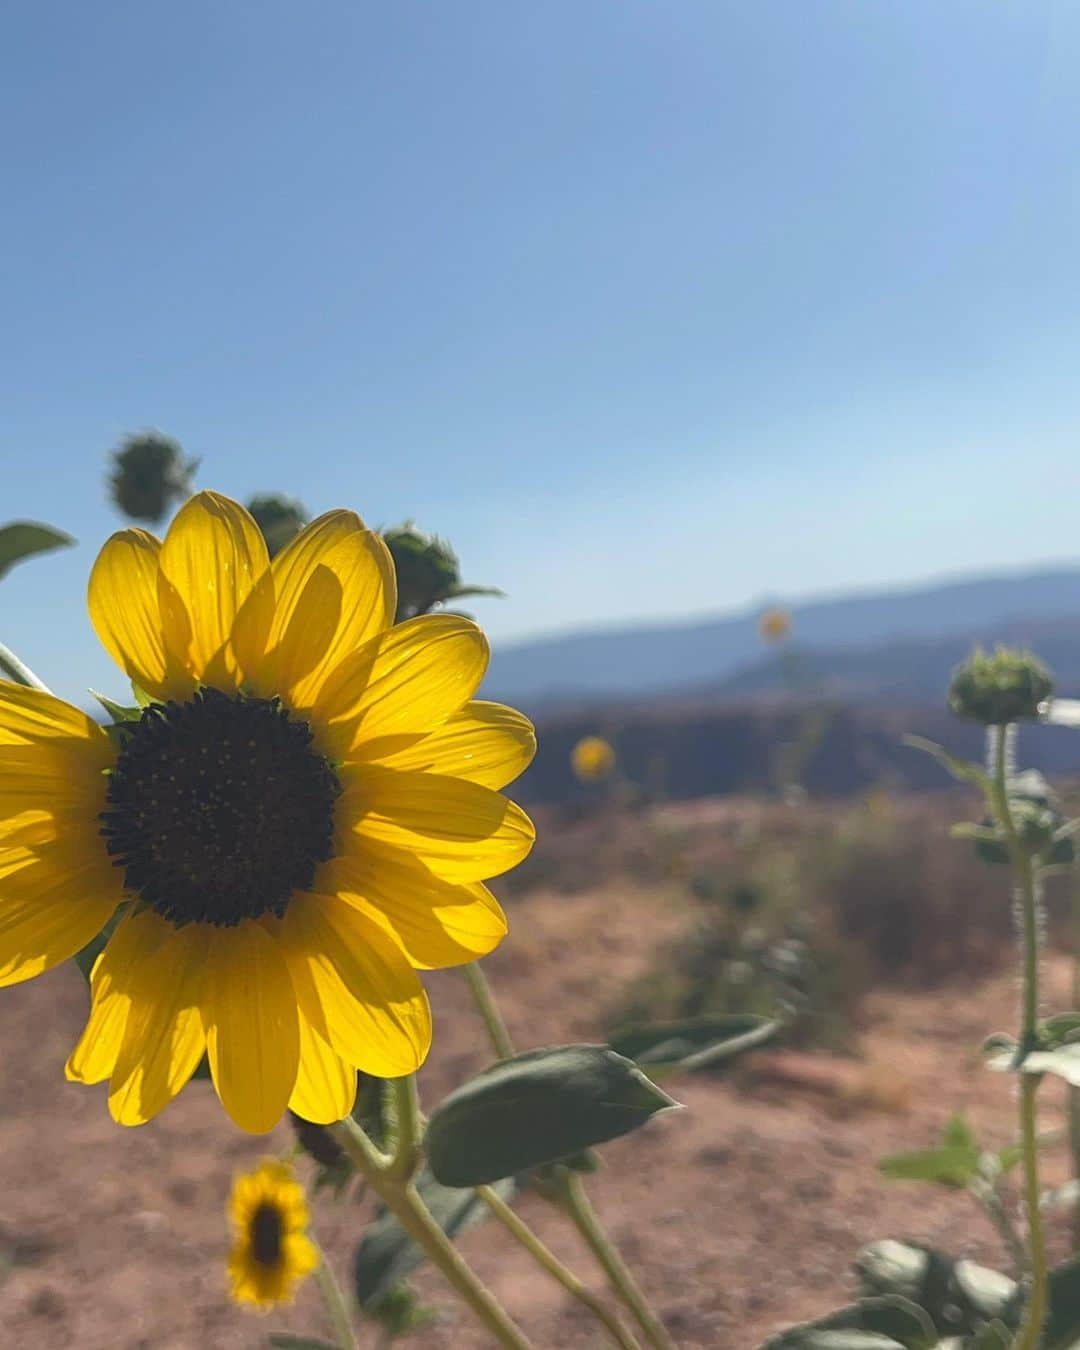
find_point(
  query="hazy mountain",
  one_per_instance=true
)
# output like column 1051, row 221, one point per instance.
column 863, row 645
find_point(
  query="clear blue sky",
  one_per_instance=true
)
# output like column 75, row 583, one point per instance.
column 652, row 308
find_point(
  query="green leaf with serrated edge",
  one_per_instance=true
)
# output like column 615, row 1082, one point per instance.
column 693, row 1044
column 536, row 1108
column 24, row 538
column 287, row 1341
column 119, row 712
column 871, row 1324
column 386, row 1255
column 960, row 769
column 955, row 1162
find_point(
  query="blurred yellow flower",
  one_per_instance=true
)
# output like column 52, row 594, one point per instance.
column 774, row 625
column 271, row 1251
column 592, row 759
column 302, row 816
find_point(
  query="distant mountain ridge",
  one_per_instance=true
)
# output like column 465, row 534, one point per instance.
column 887, row 643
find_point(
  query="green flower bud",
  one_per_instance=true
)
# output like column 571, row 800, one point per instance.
column 150, row 474
column 279, row 518
column 427, row 569
column 1000, row 688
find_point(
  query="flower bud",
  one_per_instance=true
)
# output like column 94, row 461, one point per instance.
column 150, row 474
column 999, row 688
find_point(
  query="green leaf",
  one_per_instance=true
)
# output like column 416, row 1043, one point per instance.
column 23, row 538
column 288, row 1341
column 386, row 1255
column 959, row 768
column 954, row 1163
column 459, row 592
column 870, row 1324
column 1064, row 1062
column 399, row 1312
column 537, row 1108
column 957, row 1296
column 693, row 1044
column 993, row 1336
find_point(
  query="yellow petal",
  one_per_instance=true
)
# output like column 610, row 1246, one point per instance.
column 49, row 910
column 484, row 743
column 325, row 1088
column 137, row 936
column 210, row 561
column 163, row 1034
column 29, row 716
column 437, row 923
column 405, row 682
column 123, row 601
column 355, row 986
column 334, row 590
column 252, row 1035
column 461, row 831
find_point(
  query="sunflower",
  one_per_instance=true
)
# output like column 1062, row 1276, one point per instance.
column 299, row 819
column 774, row 625
column 271, row 1251
column 592, row 759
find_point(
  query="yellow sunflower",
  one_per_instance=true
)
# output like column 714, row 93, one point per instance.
column 271, row 1251
column 592, row 759
column 301, row 818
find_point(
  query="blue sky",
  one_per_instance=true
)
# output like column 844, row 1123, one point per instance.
column 652, row 308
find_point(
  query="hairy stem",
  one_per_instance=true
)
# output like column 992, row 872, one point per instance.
column 1027, row 898
column 576, row 1203
column 488, row 1009
column 403, row 1200
column 337, row 1309
column 520, row 1230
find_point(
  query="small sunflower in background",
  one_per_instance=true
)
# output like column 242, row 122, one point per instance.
column 271, row 1251
column 300, row 817
column 775, row 625
column 592, row 759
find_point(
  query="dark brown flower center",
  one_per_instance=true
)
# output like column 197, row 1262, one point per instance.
column 266, row 1235
column 219, row 809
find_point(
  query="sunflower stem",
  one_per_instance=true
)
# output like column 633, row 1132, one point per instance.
column 403, row 1200
column 488, row 1009
column 576, row 1204
column 1027, row 897
column 406, row 1157
column 19, row 671
column 572, row 1198
column 337, row 1310
column 520, row 1230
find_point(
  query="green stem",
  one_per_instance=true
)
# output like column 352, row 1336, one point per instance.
column 520, row 1230
column 1027, row 1338
column 995, row 1210
column 576, row 1203
column 406, row 1158
column 403, row 1199
column 336, row 1308
column 488, row 1010
column 18, row 671
column 1074, row 1092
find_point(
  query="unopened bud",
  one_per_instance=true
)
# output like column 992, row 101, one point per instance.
column 996, row 689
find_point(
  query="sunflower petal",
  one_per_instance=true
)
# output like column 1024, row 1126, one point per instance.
column 355, row 986
column 437, row 923
column 48, row 911
column 163, row 1033
column 405, row 682
column 30, row 716
column 252, row 1034
column 123, row 601
column 461, row 831
column 334, row 590
column 485, row 743
column 210, row 561
column 97, row 1049
column 325, row 1089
